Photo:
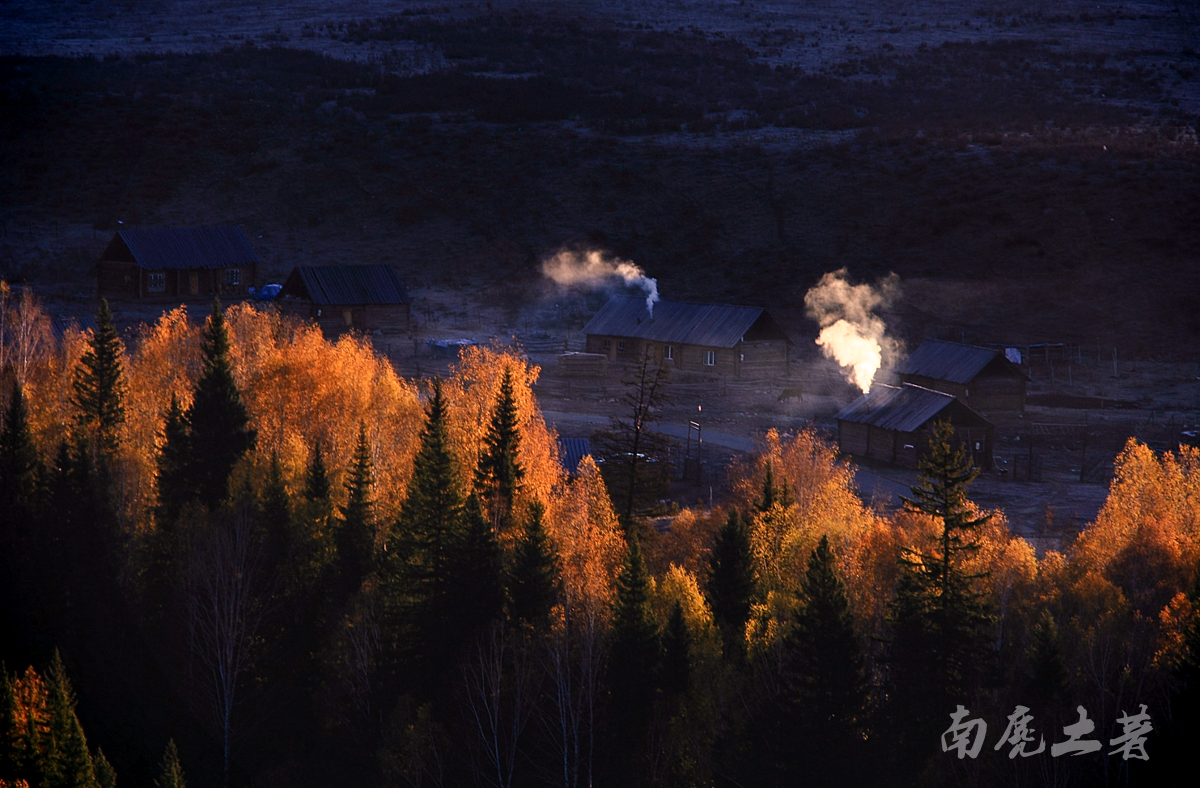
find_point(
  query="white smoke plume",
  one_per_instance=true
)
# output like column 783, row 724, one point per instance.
column 851, row 333
column 595, row 271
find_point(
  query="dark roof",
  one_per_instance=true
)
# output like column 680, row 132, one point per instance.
column 346, row 284
column 571, row 452
column 953, row 362
column 711, row 325
column 905, row 408
column 59, row 325
column 156, row 248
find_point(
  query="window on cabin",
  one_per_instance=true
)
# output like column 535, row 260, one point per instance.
column 710, row 358
column 607, row 345
column 668, row 352
column 156, row 282
column 620, row 345
column 233, row 277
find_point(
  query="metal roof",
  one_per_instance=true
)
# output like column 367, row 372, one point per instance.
column 905, row 408
column 571, row 452
column 711, row 325
column 157, row 248
column 347, row 284
column 950, row 361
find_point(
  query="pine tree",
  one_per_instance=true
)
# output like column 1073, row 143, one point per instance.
column 100, row 385
column 634, row 662
column 316, row 479
column 356, row 535
column 217, row 419
column 275, row 514
column 170, row 771
column 68, row 763
column 677, row 654
column 826, row 693
column 10, row 750
column 20, row 466
column 533, row 580
column 498, row 475
column 477, row 587
column 731, row 581
column 175, row 483
column 106, row 776
column 940, row 646
column 421, row 548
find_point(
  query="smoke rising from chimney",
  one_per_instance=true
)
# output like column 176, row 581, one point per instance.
column 595, row 271
column 851, row 333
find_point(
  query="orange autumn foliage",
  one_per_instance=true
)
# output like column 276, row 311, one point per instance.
column 588, row 539
column 471, row 393
column 1146, row 539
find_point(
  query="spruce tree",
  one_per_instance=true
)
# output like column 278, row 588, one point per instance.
column 677, row 654
column 421, row 551
column 316, row 478
column 106, row 776
column 633, row 668
column 533, row 579
column 940, row 646
column 68, row 762
column 175, row 483
column 275, row 514
column 731, row 582
column 170, row 770
column 20, row 466
column 356, row 534
column 477, row 587
column 217, row 420
column 498, row 474
column 100, row 385
column 10, row 750
column 824, row 679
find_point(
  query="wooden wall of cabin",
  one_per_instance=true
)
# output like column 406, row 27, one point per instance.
column 997, row 392
column 762, row 359
column 117, row 279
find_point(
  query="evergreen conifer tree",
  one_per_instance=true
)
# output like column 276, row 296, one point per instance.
column 275, row 514
column 316, row 478
column 421, row 550
column 634, row 662
column 170, row 770
column 106, row 776
column 9, row 732
column 477, row 588
column 534, row 578
column 217, row 420
column 731, row 581
column 68, row 762
column 677, row 654
column 175, row 484
column 356, row 536
column 498, row 474
column 20, row 466
column 940, row 647
column 826, row 693
column 100, row 385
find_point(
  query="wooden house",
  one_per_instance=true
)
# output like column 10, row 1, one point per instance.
column 981, row 377
column 893, row 424
column 343, row 297
column 177, row 263
column 741, row 342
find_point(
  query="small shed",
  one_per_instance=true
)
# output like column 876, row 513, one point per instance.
column 981, row 377
column 742, row 342
column 342, row 297
column 177, row 262
column 893, row 424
